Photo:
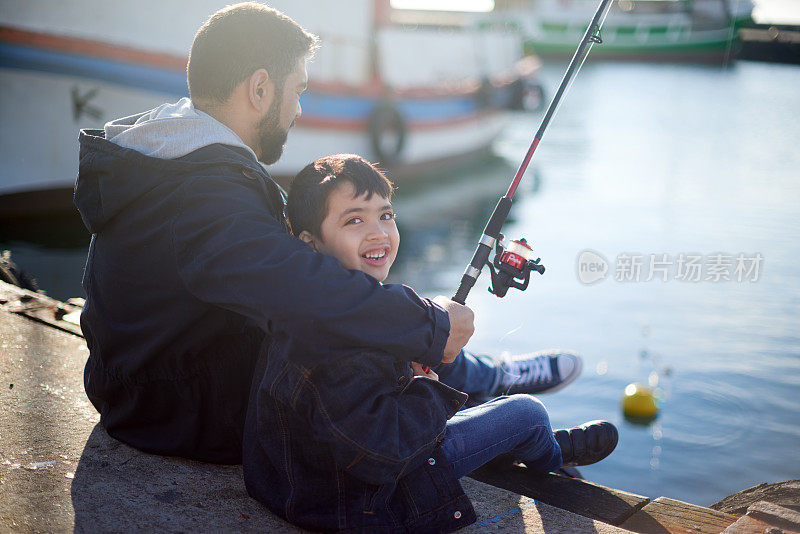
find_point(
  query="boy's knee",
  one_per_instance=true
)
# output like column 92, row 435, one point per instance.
column 529, row 408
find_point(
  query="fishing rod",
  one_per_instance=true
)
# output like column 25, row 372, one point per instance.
column 511, row 266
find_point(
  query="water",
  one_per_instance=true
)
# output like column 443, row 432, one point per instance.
column 655, row 159
column 641, row 159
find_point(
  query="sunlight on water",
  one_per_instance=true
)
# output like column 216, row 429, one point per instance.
column 655, row 160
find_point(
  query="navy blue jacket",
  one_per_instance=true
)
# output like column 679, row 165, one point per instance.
column 190, row 268
column 352, row 445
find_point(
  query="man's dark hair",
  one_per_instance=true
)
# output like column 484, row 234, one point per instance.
column 237, row 41
column 307, row 206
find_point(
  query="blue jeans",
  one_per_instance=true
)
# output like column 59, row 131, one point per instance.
column 517, row 424
column 476, row 375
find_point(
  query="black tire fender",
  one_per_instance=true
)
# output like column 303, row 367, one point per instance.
column 533, row 98
column 387, row 132
column 526, row 96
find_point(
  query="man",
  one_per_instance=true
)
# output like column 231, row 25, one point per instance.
column 191, row 267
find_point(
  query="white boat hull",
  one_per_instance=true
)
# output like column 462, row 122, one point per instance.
column 59, row 76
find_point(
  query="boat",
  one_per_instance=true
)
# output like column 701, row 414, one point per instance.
column 776, row 43
column 660, row 30
column 407, row 89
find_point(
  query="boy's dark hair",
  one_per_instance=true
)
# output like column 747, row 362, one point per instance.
column 237, row 41
column 307, row 205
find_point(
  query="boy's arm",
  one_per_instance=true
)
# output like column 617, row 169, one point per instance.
column 232, row 252
column 379, row 421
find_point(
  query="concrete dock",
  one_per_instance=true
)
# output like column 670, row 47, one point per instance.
column 60, row 471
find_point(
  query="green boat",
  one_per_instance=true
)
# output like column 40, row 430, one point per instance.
column 664, row 30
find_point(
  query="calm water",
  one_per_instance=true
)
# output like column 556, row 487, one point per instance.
column 641, row 159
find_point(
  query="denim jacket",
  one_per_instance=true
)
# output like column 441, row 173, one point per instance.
column 352, row 445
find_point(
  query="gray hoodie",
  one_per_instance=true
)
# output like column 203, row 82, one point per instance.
column 171, row 131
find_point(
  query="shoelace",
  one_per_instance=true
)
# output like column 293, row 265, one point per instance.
column 527, row 371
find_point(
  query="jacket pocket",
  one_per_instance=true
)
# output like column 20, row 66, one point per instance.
column 429, row 487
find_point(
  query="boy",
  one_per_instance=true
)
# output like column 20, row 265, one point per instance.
column 366, row 443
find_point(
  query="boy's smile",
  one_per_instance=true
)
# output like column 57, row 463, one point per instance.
column 361, row 233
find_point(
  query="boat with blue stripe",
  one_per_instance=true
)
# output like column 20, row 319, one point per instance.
column 426, row 100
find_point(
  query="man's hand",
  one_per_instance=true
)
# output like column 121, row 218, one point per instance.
column 462, row 326
column 419, row 371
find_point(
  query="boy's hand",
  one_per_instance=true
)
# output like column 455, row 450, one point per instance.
column 462, row 327
column 419, row 371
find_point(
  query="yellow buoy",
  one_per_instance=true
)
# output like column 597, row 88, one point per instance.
column 639, row 401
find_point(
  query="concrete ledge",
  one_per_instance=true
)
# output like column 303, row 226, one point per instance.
column 60, row 471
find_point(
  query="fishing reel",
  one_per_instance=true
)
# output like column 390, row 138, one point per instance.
column 511, row 266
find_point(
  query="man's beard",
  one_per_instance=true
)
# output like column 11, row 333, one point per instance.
column 271, row 139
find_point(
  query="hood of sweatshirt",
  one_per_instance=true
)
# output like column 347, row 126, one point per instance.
column 171, row 131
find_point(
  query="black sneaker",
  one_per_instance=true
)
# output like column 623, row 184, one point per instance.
column 587, row 443
column 540, row 372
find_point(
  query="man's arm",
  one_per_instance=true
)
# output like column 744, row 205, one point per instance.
column 232, row 252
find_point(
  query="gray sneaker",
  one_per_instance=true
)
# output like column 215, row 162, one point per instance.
column 540, row 372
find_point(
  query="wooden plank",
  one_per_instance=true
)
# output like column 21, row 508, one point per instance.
column 678, row 517
column 577, row 496
column 41, row 308
column 504, row 512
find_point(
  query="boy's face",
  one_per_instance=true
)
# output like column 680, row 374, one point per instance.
column 360, row 233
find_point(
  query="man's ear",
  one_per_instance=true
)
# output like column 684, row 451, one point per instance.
column 261, row 90
column 306, row 237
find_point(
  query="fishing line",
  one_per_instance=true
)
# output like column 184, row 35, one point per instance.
column 731, row 29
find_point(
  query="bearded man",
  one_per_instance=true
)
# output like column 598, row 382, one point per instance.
column 191, row 267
